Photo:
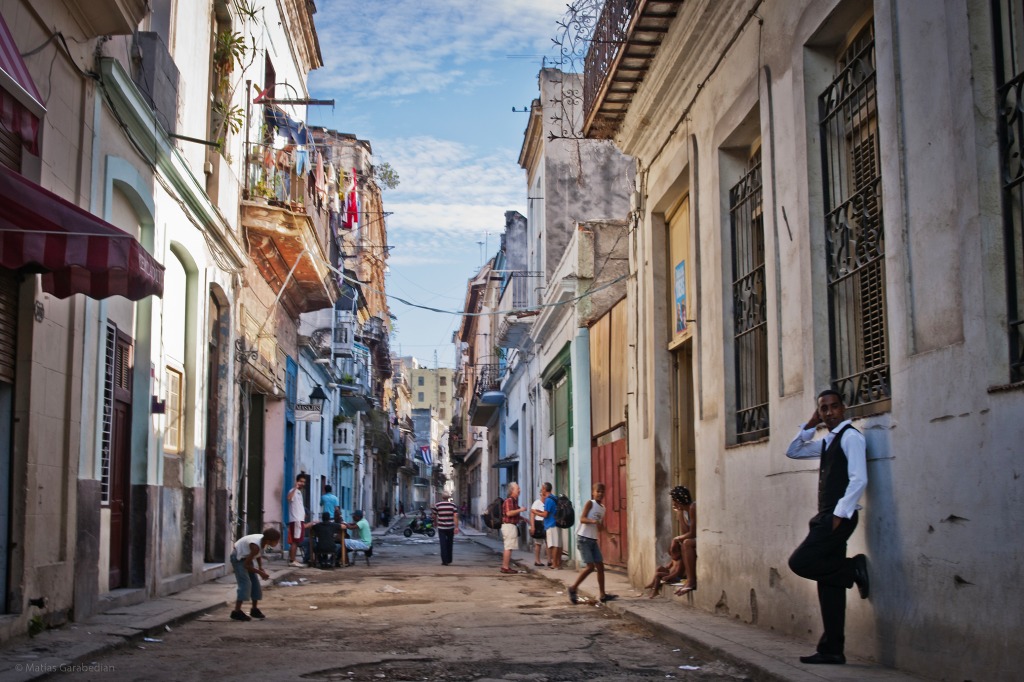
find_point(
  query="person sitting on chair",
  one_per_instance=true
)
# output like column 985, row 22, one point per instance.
column 362, row 526
column 327, row 544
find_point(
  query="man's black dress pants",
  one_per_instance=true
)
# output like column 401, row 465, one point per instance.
column 822, row 557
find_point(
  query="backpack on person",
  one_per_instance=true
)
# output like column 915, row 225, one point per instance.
column 565, row 515
column 492, row 517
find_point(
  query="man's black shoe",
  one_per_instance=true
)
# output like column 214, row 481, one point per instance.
column 828, row 659
column 860, row 575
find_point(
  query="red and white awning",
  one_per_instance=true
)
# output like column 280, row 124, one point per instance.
column 20, row 103
column 77, row 252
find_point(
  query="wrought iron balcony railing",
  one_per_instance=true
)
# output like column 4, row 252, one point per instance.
column 625, row 40
column 488, row 378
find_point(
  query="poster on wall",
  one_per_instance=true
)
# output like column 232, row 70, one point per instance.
column 680, row 294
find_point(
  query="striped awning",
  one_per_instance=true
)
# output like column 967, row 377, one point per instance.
column 75, row 251
column 20, row 103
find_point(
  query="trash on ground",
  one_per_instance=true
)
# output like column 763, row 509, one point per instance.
column 313, row 608
column 151, row 639
column 390, row 590
column 167, row 627
column 689, row 667
column 287, row 583
column 674, row 650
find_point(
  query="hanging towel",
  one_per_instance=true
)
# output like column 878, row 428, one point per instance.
column 319, row 184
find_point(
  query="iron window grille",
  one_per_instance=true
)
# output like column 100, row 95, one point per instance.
column 854, row 229
column 750, row 326
column 108, row 413
column 1008, row 17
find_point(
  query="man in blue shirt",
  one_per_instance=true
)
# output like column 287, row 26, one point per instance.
column 329, row 501
column 554, row 533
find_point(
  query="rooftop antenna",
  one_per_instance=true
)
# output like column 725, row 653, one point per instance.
column 481, row 252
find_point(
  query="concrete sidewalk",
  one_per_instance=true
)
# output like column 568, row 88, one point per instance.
column 769, row 655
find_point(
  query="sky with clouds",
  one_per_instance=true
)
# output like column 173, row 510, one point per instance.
column 432, row 85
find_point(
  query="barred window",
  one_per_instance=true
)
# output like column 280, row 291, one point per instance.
column 109, row 375
column 854, row 229
column 750, row 327
column 1008, row 29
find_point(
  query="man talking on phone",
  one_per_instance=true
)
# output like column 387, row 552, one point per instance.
column 842, row 477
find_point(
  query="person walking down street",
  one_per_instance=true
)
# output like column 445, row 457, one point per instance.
column 329, row 501
column 510, row 511
column 401, row 509
column 537, row 515
column 842, row 478
column 446, row 521
column 591, row 523
column 686, row 508
column 296, row 519
column 247, row 562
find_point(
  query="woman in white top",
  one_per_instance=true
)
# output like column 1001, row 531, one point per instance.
column 591, row 521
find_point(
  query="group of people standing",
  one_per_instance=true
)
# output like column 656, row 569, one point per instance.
column 587, row 533
column 842, row 478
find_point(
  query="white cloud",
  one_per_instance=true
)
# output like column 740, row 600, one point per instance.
column 393, row 48
column 451, row 195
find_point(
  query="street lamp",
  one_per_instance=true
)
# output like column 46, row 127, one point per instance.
column 317, row 397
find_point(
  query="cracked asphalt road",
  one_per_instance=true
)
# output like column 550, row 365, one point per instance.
column 407, row 617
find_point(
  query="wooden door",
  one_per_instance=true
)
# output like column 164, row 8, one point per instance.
column 120, row 461
column 608, row 466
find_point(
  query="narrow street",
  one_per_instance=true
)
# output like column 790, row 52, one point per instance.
column 406, row 617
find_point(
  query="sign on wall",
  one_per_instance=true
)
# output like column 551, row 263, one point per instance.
column 305, row 412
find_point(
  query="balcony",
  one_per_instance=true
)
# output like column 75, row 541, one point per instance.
column 108, row 17
column 420, row 481
column 626, row 39
column 286, row 244
column 344, row 333
column 487, row 395
column 518, row 291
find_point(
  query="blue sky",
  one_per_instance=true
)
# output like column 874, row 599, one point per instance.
column 432, row 85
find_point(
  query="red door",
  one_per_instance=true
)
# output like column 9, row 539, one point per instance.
column 608, row 465
column 120, row 461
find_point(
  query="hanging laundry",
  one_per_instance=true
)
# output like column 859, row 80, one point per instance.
column 284, row 160
column 301, row 161
column 320, row 183
column 352, row 205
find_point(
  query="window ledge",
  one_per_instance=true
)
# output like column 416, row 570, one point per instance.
column 746, row 443
column 1007, row 388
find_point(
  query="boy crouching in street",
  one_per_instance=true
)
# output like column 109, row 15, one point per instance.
column 247, row 554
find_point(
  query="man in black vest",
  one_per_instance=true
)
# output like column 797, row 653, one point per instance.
column 842, row 477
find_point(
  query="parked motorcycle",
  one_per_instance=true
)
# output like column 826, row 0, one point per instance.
column 421, row 527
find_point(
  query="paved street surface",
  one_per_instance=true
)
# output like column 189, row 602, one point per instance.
column 407, row 617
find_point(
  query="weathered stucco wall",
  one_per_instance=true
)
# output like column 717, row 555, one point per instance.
column 938, row 525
